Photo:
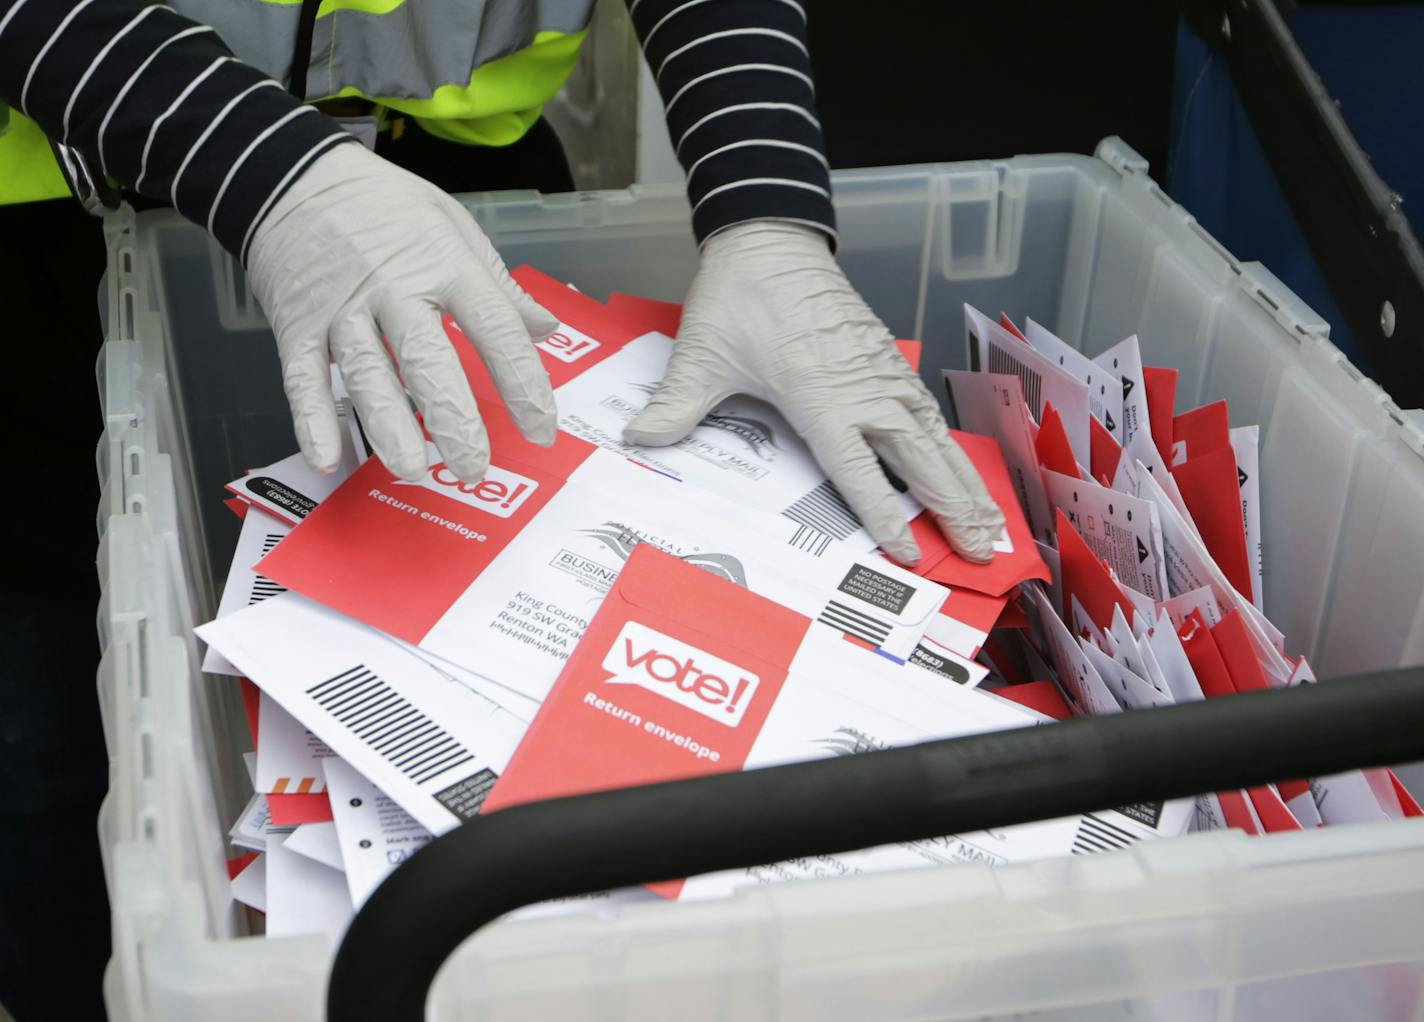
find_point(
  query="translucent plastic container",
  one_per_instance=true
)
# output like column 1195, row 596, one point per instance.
column 1321, row 925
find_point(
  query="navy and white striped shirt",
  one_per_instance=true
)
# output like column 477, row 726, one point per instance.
column 169, row 112
column 735, row 78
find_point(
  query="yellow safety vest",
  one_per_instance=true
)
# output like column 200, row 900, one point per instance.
column 471, row 71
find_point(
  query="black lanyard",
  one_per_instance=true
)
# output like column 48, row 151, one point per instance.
column 301, row 49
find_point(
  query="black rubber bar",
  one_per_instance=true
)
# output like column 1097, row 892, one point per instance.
column 565, row 847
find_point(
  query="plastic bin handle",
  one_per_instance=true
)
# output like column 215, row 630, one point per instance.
column 571, row 846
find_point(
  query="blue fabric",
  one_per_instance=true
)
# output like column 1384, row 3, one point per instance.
column 1368, row 57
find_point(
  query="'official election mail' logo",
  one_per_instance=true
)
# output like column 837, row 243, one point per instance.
column 499, row 493
column 621, row 539
column 759, row 437
column 567, row 344
column 694, row 678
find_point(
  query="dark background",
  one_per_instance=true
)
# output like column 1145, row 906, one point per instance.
column 923, row 82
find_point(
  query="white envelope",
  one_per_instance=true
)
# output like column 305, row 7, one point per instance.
column 304, row 897
column 250, row 886
column 1245, row 444
column 1119, row 528
column 608, row 506
column 1131, row 691
column 432, row 744
column 1190, row 567
column 288, row 755
column 259, row 535
column 1125, row 359
column 317, row 841
column 744, row 451
column 992, row 404
column 374, row 834
column 1171, row 659
column 1079, row 679
column 1104, row 386
column 999, row 351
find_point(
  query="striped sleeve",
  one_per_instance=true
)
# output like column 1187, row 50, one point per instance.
column 735, row 78
column 163, row 104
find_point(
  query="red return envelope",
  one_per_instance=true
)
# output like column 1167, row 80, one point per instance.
column 1016, row 557
column 1161, row 387
column 1052, row 446
column 1211, row 490
column 682, row 674
column 651, row 314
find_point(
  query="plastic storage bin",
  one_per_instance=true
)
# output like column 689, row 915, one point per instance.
column 1321, row 925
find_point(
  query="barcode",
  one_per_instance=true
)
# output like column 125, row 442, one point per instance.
column 854, row 622
column 824, row 510
column 373, row 712
column 1000, row 361
column 813, row 541
column 262, row 586
column 1097, row 835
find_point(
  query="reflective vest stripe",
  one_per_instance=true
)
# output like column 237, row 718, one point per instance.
column 28, row 172
column 402, row 50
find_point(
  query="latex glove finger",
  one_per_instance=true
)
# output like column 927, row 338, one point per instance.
column 914, row 455
column 489, row 320
column 306, row 377
column 691, row 387
column 538, row 321
column 433, row 374
column 380, row 399
column 973, row 531
column 850, row 464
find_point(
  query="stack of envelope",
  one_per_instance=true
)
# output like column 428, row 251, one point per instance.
column 592, row 614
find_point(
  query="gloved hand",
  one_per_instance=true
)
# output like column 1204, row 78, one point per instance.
column 358, row 248
column 770, row 314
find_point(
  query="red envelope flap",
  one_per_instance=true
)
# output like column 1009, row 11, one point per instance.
column 1008, row 324
column 1105, row 453
column 666, row 317
column 396, row 554
column 1013, row 616
column 251, row 700
column 1052, row 446
column 1233, row 641
column 1160, row 386
column 565, row 356
column 1042, row 696
column 294, row 810
column 238, row 863
column 1238, row 811
column 1008, row 568
column 509, row 448
column 1407, row 801
column 1199, row 431
column 1291, row 789
column 638, row 701
column 1210, row 488
column 711, row 611
column 648, row 313
column 1273, row 812
column 911, row 351
column 237, row 506
column 1205, row 658
column 1087, row 578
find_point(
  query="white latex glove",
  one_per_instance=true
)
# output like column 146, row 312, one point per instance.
column 358, row 248
column 770, row 314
